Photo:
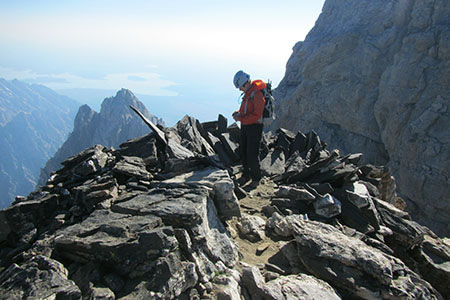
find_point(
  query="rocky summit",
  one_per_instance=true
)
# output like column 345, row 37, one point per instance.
column 162, row 217
column 373, row 76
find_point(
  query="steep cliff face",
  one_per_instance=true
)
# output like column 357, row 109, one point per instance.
column 115, row 124
column 34, row 122
column 374, row 77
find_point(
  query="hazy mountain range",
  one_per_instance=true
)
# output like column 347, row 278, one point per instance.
column 34, row 122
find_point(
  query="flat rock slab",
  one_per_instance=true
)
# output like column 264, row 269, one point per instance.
column 122, row 241
column 185, row 206
column 354, row 266
column 176, row 206
column 303, row 287
column 224, row 197
column 132, row 166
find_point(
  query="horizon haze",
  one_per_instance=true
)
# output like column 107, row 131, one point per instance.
column 178, row 58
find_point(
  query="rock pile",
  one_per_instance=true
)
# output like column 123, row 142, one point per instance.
column 151, row 221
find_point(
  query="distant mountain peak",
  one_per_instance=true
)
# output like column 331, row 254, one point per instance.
column 125, row 93
column 113, row 125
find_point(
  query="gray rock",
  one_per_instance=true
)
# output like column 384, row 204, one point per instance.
column 302, row 286
column 294, row 193
column 220, row 149
column 314, row 168
column 252, row 228
column 433, row 257
column 222, row 124
column 20, row 218
column 273, row 163
column 225, row 200
column 177, row 151
column 39, row 277
column 231, row 147
column 143, row 147
column 235, row 132
column 92, row 165
column 380, row 87
column 190, row 208
column 282, row 225
column 227, row 288
column 121, row 240
column 256, row 286
column 366, row 220
column 98, row 293
column 192, row 138
column 132, row 166
column 172, row 279
column 359, row 195
column 160, row 136
column 351, row 265
column 327, row 206
column 295, row 163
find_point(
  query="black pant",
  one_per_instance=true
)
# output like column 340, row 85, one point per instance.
column 251, row 136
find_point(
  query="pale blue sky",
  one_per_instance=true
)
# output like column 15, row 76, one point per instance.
column 187, row 51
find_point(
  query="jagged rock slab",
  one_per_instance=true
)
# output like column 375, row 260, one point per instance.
column 300, row 286
column 143, row 147
column 123, row 241
column 39, row 277
column 274, row 163
column 220, row 149
column 231, row 147
column 353, row 266
column 158, row 132
column 433, row 257
column 303, row 286
column 186, row 207
column 190, row 131
column 132, row 166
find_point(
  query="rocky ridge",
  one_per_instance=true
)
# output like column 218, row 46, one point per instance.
column 373, row 77
column 113, row 125
column 163, row 218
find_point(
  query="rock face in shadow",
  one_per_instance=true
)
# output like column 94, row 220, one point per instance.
column 113, row 125
column 373, row 77
column 151, row 220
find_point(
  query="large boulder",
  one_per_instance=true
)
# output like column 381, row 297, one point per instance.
column 353, row 266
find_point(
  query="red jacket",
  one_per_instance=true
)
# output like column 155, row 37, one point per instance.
column 252, row 108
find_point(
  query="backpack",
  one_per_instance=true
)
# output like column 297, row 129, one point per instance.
column 268, row 113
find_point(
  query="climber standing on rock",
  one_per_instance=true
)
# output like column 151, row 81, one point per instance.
column 250, row 114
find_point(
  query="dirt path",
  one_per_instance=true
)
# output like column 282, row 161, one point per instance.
column 255, row 253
